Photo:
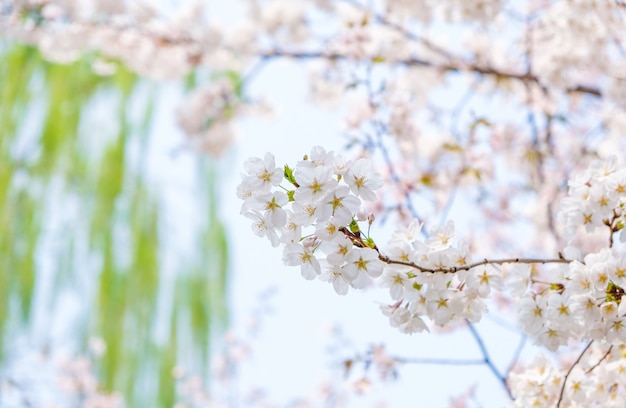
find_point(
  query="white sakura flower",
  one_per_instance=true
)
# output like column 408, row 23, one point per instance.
column 315, row 183
column 532, row 314
column 262, row 174
column 272, row 204
column 337, row 250
column 339, row 164
column 262, row 226
column 486, row 280
column 363, row 180
column 340, row 204
column 518, row 279
column 438, row 260
column 395, row 278
column 399, row 317
column 443, row 306
column 616, row 330
column 317, row 158
column 334, row 274
column 474, row 309
column 296, row 254
column 441, row 237
column 586, row 308
column 609, row 310
column 328, row 230
column 407, row 235
column 580, row 281
column 551, row 338
column 304, row 214
column 292, row 231
column 414, row 325
column 616, row 267
column 558, row 312
column 599, row 272
column 363, row 261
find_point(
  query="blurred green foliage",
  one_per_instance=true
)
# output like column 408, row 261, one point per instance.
column 76, row 203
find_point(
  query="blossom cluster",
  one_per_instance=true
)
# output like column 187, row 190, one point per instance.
column 598, row 379
column 581, row 299
column 316, row 219
column 596, row 198
column 324, row 194
column 433, row 277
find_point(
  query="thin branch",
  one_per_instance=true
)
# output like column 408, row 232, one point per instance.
column 445, row 67
column 196, row 53
column 593, row 367
column 487, row 359
column 394, row 176
column 382, row 20
column 558, row 403
column 518, row 351
column 439, row 361
column 454, row 269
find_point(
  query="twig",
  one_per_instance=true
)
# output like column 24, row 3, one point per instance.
column 454, row 269
column 439, row 361
column 593, row 367
column 487, row 359
column 517, row 353
column 446, row 67
column 558, row 403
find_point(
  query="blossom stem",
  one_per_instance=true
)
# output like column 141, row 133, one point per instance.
column 454, row 269
column 558, row 403
column 593, row 367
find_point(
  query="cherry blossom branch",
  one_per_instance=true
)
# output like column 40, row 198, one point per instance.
column 357, row 240
column 394, row 174
column 196, row 50
column 558, row 403
column 445, row 67
column 382, row 20
column 518, row 351
column 439, row 361
column 593, row 367
column 454, row 269
column 487, row 359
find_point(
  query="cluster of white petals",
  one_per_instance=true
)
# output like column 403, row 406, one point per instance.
column 205, row 116
column 432, row 279
column 316, row 216
column 580, row 299
column 597, row 380
column 596, row 198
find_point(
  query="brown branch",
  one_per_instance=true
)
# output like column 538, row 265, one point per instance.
column 454, row 269
column 445, row 67
column 558, row 403
column 593, row 367
column 357, row 240
column 458, row 65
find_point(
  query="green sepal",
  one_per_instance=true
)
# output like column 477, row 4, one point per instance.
column 288, row 173
column 354, row 227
